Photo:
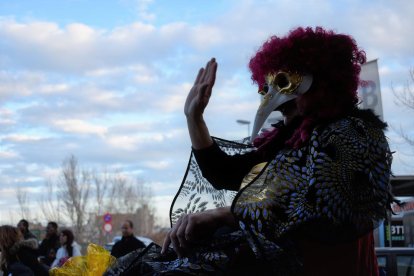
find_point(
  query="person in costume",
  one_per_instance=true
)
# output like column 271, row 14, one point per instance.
column 304, row 197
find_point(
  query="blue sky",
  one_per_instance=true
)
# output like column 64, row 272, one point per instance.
column 108, row 14
column 106, row 80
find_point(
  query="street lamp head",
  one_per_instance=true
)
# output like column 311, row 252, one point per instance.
column 243, row 122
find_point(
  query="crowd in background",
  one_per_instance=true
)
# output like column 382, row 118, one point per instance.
column 22, row 254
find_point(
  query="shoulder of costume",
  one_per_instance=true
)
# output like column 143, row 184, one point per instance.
column 369, row 117
column 357, row 117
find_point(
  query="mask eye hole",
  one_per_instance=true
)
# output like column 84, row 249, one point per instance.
column 282, row 80
column 265, row 89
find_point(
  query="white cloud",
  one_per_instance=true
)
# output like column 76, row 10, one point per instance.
column 140, row 74
column 80, row 127
column 384, row 31
column 158, row 165
column 142, row 8
column 5, row 121
column 205, row 37
column 6, row 117
column 21, row 138
column 174, row 99
column 8, row 192
column 49, row 173
column 163, row 204
column 173, row 30
column 124, row 142
column 7, row 154
column 127, row 128
column 105, row 72
column 54, row 88
column 24, row 85
column 18, row 84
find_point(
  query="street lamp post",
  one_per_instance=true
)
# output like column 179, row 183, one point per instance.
column 245, row 122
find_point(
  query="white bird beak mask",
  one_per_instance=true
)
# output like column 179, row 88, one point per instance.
column 280, row 88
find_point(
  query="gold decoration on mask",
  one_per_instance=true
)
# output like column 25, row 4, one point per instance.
column 284, row 82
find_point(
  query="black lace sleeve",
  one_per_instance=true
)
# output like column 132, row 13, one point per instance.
column 213, row 182
column 222, row 170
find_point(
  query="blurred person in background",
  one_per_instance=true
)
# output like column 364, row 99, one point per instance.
column 19, row 256
column 50, row 244
column 23, row 226
column 69, row 248
column 128, row 243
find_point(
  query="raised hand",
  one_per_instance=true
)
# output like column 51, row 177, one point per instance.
column 200, row 93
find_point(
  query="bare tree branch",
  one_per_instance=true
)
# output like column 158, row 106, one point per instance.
column 75, row 193
column 405, row 98
column 83, row 196
column 23, row 201
column 49, row 203
column 100, row 186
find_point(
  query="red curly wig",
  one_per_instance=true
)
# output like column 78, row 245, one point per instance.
column 333, row 59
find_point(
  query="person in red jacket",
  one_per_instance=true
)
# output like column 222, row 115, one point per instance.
column 305, row 196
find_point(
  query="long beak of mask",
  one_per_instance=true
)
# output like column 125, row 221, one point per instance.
column 280, row 88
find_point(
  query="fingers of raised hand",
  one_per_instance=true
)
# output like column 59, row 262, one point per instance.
column 181, row 234
column 212, row 72
column 199, row 76
column 190, row 229
column 176, row 237
column 204, row 83
column 205, row 72
column 167, row 242
column 175, row 242
column 209, row 72
column 210, row 78
column 168, row 239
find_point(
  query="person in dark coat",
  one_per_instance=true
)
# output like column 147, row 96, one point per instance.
column 128, row 243
column 50, row 244
column 23, row 226
column 19, row 256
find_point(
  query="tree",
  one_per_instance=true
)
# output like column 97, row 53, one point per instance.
column 100, row 185
column 134, row 198
column 23, row 202
column 80, row 197
column 49, row 203
column 405, row 98
column 74, row 194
